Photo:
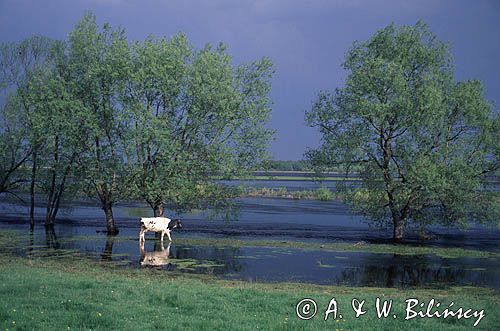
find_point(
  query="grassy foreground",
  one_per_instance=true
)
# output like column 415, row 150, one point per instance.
column 67, row 294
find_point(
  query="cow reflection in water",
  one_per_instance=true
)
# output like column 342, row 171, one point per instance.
column 158, row 257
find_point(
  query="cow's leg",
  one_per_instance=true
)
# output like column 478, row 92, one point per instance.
column 144, row 229
column 142, row 251
column 162, row 235
column 168, row 235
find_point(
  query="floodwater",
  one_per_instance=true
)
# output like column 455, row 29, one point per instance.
column 257, row 219
column 271, row 264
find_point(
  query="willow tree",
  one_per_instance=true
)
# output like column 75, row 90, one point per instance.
column 422, row 141
column 98, row 62
column 62, row 125
column 15, row 151
column 24, row 137
column 192, row 117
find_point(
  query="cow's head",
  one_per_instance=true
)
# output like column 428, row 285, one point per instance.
column 175, row 224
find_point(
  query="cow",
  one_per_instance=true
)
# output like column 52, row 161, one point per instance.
column 158, row 224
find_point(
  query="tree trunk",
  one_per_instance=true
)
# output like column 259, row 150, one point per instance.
column 49, row 218
column 57, row 202
column 399, row 229
column 56, row 194
column 32, row 190
column 159, row 210
column 110, row 221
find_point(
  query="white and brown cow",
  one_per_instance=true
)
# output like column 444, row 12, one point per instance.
column 158, row 224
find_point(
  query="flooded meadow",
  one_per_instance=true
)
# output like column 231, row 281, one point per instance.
column 80, row 232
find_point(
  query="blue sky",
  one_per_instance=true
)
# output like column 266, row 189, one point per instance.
column 306, row 40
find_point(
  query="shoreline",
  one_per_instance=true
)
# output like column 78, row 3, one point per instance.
column 62, row 293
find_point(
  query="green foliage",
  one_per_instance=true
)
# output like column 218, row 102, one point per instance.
column 191, row 115
column 98, row 64
column 51, row 121
column 14, row 152
column 18, row 61
column 324, row 194
column 158, row 119
column 58, row 122
column 422, row 141
column 299, row 165
column 287, row 165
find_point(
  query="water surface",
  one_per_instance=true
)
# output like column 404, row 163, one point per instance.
column 272, row 264
column 79, row 227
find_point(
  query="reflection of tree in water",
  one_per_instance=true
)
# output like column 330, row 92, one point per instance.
column 107, row 253
column 225, row 256
column 402, row 270
column 51, row 238
column 31, row 244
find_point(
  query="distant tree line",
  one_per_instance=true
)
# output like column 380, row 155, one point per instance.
column 287, row 165
column 299, row 165
column 155, row 120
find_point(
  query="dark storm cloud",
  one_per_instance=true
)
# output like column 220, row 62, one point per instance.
column 306, row 40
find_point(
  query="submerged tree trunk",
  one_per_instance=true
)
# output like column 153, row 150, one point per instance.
column 399, row 225
column 49, row 219
column 111, row 227
column 56, row 193
column 105, row 191
column 32, row 190
column 159, row 211
column 53, row 204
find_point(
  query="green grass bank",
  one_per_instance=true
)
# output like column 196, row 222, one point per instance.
column 78, row 294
